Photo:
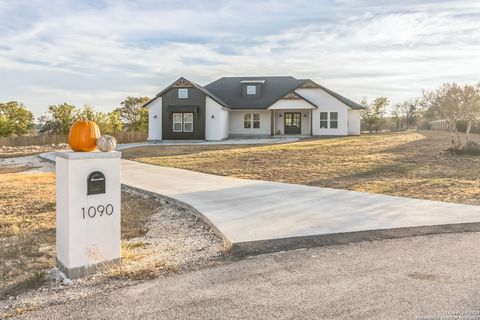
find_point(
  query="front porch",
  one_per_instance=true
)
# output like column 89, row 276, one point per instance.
column 291, row 122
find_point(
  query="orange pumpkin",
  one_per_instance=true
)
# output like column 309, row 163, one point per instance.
column 83, row 136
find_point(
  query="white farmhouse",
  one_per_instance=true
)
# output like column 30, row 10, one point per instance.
column 233, row 107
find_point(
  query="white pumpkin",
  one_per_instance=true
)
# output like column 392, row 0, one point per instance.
column 106, row 143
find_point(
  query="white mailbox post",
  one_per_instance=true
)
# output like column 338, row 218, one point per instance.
column 88, row 211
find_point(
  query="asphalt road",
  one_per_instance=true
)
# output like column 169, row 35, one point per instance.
column 429, row 276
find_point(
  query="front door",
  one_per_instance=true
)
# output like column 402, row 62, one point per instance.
column 293, row 122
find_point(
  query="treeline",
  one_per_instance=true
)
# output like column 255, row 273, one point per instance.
column 458, row 105
column 16, row 119
column 403, row 116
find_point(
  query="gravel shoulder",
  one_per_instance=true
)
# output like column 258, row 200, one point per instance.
column 428, row 277
column 159, row 239
column 175, row 242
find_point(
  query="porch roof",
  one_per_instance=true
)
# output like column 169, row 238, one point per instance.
column 286, row 104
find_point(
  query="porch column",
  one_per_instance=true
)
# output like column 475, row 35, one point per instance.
column 311, row 122
column 273, row 122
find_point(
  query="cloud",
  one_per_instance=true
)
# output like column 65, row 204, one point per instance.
column 91, row 52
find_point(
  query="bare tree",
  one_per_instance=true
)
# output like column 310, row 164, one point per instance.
column 407, row 113
column 470, row 106
column 446, row 103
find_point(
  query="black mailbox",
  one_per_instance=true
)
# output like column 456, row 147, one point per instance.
column 95, row 183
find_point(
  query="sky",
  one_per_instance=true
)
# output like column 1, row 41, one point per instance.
column 99, row 52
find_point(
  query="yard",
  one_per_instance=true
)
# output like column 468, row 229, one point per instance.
column 411, row 164
column 157, row 238
column 27, row 227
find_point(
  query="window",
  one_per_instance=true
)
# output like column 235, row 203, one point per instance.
column 247, row 120
column 256, row 120
column 182, row 122
column 323, row 120
column 251, row 120
column 188, row 122
column 251, row 90
column 333, row 120
column 177, row 122
column 182, row 93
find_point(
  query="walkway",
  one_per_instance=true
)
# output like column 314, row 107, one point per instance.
column 277, row 140
column 258, row 216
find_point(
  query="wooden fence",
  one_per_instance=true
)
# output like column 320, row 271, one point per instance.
column 44, row 139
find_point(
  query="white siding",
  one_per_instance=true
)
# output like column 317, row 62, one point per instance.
column 236, row 123
column 326, row 103
column 280, row 121
column 354, row 122
column 155, row 124
column 216, row 127
column 284, row 104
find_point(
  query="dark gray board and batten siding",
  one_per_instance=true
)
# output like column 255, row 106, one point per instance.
column 171, row 103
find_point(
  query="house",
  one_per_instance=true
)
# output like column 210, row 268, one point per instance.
column 233, row 107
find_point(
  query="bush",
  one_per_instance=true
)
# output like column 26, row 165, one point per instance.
column 471, row 148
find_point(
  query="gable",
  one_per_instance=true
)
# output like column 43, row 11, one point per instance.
column 309, row 84
column 184, row 83
column 291, row 95
column 292, row 100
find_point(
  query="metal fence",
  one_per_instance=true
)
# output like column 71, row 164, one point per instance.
column 439, row 125
column 45, row 139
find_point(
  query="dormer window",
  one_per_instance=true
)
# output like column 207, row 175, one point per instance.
column 252, row 88
column 183, row 93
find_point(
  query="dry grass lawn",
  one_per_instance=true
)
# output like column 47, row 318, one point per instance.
column 412, row 164
column 27, row 227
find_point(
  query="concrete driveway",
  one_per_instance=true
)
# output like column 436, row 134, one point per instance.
column 259, row 216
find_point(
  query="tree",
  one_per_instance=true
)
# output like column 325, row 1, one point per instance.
column 446, row 102
column 15, row 119
column 133, row 114
column 58, row 119
column 373, row 114
column 112, row 122
column 397, row 114
column 407, row 113
column 470, row 106
column 107, row 122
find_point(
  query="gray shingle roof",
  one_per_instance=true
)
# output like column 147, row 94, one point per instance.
column 348, row 102
column 229, row 90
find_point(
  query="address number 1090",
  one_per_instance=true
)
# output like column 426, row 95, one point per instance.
column 97, row 211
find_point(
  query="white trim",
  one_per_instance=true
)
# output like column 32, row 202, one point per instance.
column 182, row 93
column 184, row 122
column 176, row 122
column 289, row 104
column 330, row 120
column 252, row 81
column 251, row 120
